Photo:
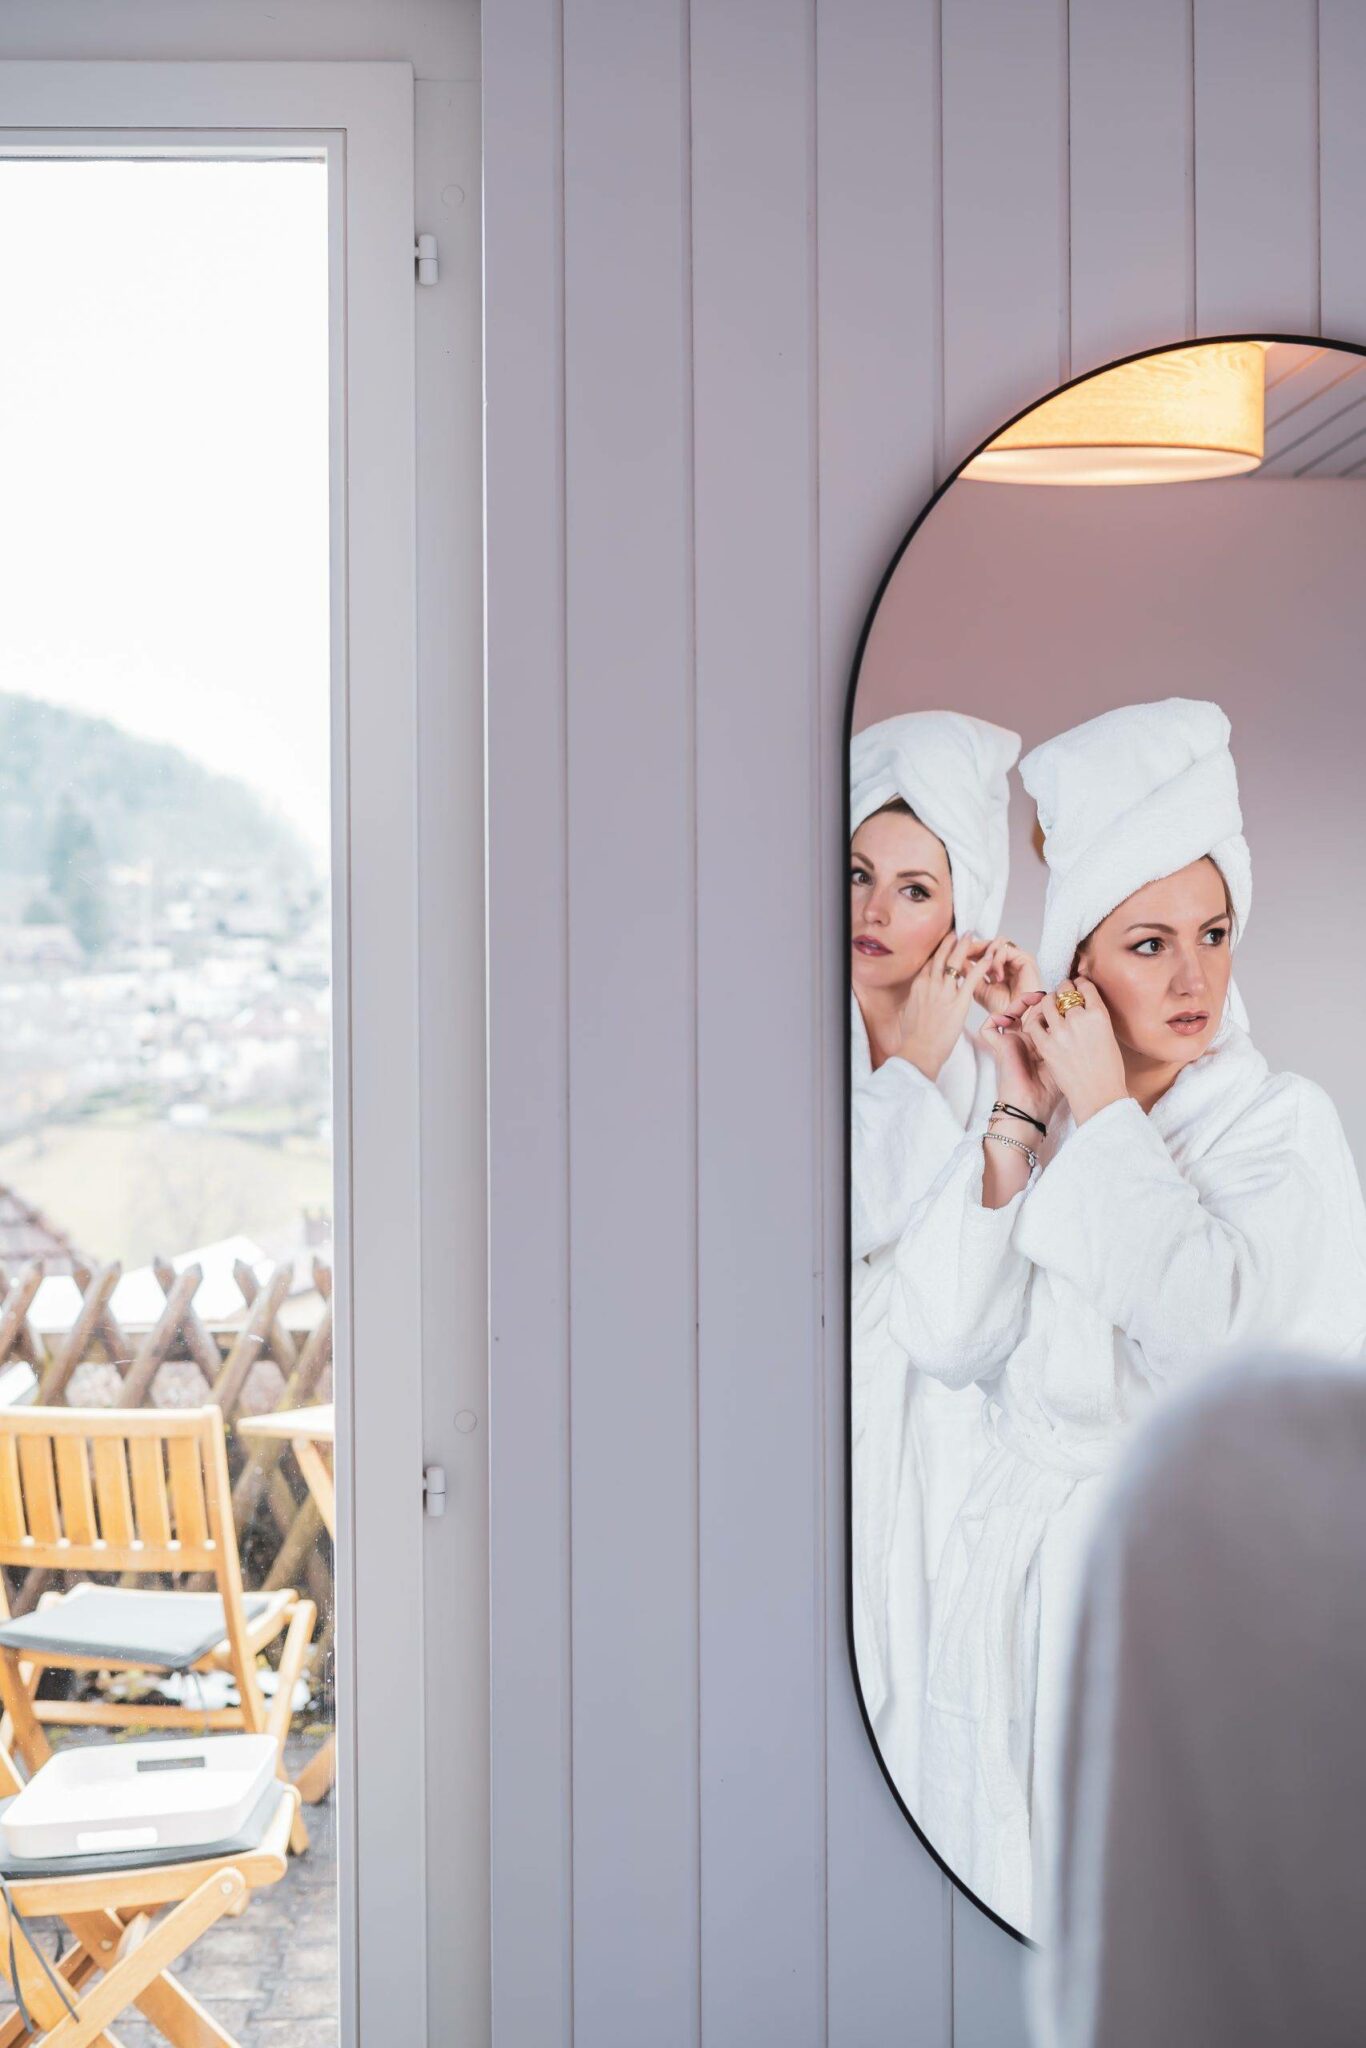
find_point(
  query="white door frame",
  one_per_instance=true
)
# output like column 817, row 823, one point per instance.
column 361, row 117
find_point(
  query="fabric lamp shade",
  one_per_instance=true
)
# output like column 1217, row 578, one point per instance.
column 1179, row 417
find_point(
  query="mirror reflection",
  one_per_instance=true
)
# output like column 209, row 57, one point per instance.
column 1104, row 1120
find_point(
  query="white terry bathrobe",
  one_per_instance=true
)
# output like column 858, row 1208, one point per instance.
column 1142, row 1249
column 913, row 1444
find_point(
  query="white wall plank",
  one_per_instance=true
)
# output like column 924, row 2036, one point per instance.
column 528, row 1049
column 1256, row 166
column 1005, row 212
column 889, row 1904
column 1132, row 177
column 632, row 1053
column 454, row 1165
column 988, row 1982
column 878, row 229
column 1342, row 90
column 877, row 233
column 761, row 1541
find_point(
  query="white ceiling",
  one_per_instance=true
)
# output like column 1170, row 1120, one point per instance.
column 1315, row 413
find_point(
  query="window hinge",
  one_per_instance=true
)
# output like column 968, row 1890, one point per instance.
column 424, row 255
column 433, row 1489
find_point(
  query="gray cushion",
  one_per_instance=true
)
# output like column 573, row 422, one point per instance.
column 165, row 1631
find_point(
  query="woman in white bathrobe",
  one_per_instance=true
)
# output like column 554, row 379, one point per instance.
column 1185, row 1199
column 929, row 795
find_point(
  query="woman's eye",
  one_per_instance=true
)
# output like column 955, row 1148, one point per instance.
column 858, row 875
column 1216, row 938
column 916, row 893
column 1142, row 946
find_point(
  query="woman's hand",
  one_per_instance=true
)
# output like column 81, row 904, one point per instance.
column 1022, row 1079
column 1011, row 973
column 935, row 1011
column 1077, row 1049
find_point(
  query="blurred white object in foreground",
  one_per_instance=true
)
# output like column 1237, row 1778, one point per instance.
column 1211, row 1878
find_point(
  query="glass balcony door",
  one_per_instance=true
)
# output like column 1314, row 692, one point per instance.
column 208, row 874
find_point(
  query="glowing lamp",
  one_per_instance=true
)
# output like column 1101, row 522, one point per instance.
column 1179, row 417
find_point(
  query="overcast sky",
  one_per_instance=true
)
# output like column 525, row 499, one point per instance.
column 163, row 458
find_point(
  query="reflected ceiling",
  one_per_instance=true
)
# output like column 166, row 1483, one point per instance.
column 1315, row 413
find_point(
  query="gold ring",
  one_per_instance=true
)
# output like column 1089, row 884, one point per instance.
column 1068, row 999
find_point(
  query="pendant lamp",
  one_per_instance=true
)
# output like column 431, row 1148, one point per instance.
column 1178, row 417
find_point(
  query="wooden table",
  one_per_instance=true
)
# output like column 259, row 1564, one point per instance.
column 307, row 1431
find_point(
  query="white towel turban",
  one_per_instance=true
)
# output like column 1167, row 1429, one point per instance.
column 1125, row 799
column 954, row 772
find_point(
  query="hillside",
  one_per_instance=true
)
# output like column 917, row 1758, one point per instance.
column 141, row 801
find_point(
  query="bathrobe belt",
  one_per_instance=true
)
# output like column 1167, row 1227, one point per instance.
column 981, row 1668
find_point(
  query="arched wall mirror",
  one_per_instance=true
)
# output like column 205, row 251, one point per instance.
column 1106, row 1101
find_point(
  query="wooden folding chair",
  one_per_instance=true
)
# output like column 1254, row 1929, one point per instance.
column 122, row 1955
column 134, row 1491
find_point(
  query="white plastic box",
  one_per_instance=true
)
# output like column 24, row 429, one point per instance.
column 140, row 1795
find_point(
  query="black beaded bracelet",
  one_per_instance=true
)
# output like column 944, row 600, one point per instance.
column 1009, row 1109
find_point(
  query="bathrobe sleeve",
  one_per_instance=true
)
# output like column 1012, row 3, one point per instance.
column 902, row 1135
column 957, row 1305
column 1258, row 1243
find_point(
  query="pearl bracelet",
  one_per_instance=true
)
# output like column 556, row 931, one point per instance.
column 1017, row 1143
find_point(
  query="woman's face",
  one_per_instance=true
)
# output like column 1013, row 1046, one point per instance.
column 1162, row 962
column 901, row 898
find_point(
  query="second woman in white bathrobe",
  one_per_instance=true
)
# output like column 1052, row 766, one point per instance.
column 1185, row 1199
column 929, row 797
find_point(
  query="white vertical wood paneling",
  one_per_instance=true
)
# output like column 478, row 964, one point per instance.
column 1005, row 212
column 878, row 233
column 454, row 1168
column 631, row 1051
column 760, row 1386
column 1131, row 182
column 739, row 1871
column 1342, row 97
column 877, row 236
column 1256, row 166
column 530, row 1873
column 989, row 1970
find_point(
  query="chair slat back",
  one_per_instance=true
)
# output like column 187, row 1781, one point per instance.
column 38, row 1478
column 187, row 1492
column 73, row 1484
column 112, row 1495
column 12, row 1523
column 151, row 1509
column 116, row 1490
